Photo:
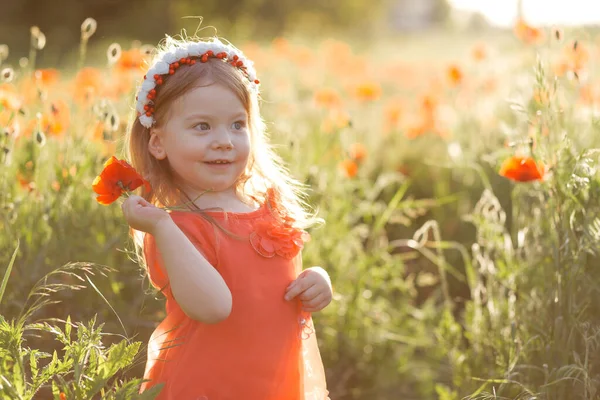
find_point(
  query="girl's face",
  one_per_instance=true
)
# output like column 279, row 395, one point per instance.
column 205, row 139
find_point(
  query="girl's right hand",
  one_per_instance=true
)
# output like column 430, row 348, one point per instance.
column 141, row 215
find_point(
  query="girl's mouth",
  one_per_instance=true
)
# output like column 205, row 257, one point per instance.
column 219, row 163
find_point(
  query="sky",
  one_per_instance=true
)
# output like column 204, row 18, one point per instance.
column 535, row 12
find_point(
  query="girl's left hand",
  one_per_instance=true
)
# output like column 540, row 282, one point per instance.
column 313, row 287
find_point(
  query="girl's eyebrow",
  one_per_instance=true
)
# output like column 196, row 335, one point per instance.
column 195, row 116
column 239, row 115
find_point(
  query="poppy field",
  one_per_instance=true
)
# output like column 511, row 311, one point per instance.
column 457, row 177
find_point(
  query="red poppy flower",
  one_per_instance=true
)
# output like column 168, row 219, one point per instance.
column 528, row 33
column 358, row 152
column 522, row 169
column 349, row 168
column 116, row 178
column 455, row 75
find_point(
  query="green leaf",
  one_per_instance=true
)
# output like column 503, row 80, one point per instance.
column 33, row 364
column 393, row 204
column 68, row 328
column 8, row 271
column 118, row 356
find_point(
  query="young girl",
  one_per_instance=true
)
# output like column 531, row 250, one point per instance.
column 238, row 304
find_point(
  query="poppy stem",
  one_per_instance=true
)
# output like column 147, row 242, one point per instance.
column 125, row 192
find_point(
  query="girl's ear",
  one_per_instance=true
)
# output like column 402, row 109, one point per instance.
column 155, row 145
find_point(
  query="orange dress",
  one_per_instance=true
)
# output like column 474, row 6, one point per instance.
column 266, row 349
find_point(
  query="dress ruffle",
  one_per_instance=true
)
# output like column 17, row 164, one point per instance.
column 275, row 234
column 306, row 325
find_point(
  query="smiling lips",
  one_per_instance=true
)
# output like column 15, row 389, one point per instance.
column 218, row 162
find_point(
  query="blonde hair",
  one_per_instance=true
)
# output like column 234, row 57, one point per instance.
column 264, row 170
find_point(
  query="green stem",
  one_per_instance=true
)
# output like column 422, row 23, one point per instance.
column 82, row 52
column 127, row 193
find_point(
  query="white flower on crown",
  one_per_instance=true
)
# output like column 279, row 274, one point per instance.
column 163, row 64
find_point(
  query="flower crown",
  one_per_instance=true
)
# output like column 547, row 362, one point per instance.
column 188, row 53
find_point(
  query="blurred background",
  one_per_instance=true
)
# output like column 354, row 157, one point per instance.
column 450, row 145
column 258, row 20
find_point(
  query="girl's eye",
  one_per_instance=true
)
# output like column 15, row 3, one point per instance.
column 238, row 125
column 203, row 126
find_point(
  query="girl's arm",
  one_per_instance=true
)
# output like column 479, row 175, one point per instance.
column 197, row 287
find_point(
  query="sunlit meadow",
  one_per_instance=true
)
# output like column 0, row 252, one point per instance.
column 459, row 184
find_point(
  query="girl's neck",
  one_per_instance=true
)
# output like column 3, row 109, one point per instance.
column 227, row 200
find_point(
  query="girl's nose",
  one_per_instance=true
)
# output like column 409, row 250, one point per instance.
column 223, row 140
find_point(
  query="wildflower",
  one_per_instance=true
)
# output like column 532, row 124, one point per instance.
column 576, row 57
column 117, row 178
column 357, row 152
column 522, row 169
column 120, row 85
column 62, row 396
column 425, row 120
column 281, row 46
column 527, row 33
column 367, row 91
column 98, row 131
column 419, row 127
column 47, row 77
column 349, row 168
column 54, row 122
column 303, row 56
column 479, row 52
column 336, row 120
column 25, row 177
column 454, row 75
column 60, row 117
column 38, row 39
column 130, row 60
column 392, row 114
column 88, row 28
column 9, row 99
column 111, row 122
column 40, row 138
column 560, row 68
column 337, row 50
column 88, row 82
column 428, row 104
column 327, row 98
column 557, row 33
column 7, row 74
column 113, row 53
column 588, row 94
column 489, row 85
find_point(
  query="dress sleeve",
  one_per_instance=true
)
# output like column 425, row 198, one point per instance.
column 199, row 231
